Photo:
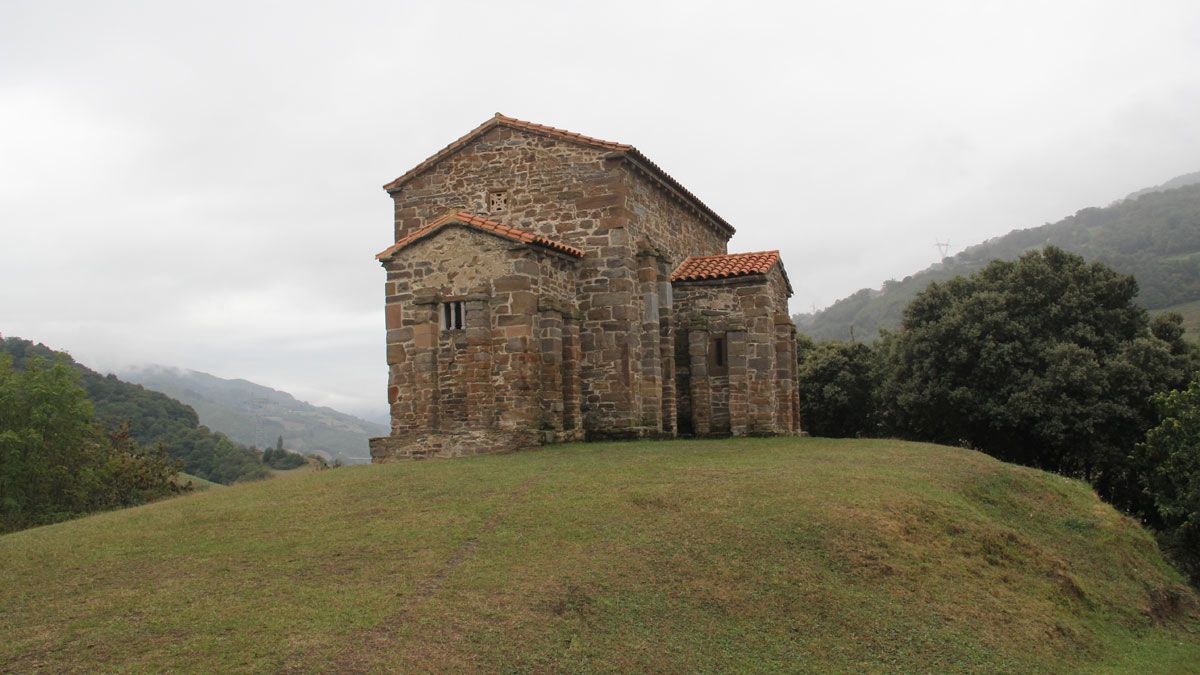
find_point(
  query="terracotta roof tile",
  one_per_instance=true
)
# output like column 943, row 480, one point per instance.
column 625, row 150
column 484, row 225
column 699, row 268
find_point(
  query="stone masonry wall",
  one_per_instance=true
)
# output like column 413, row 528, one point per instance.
column 582, row 197
column 482, row 387
column 672, row 228
column 752, row 392
column 567, row 348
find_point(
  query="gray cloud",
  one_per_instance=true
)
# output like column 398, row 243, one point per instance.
column 198, row 184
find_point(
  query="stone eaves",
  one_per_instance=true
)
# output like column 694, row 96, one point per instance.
column 483, row 225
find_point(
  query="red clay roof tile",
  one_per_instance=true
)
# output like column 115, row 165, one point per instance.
column 484, row 225
column 699, row 268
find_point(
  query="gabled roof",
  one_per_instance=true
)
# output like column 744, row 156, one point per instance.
column 619, row 151
column 728, row 265
column 483, row 225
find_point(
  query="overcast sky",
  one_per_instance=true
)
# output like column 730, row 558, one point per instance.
column 198, row 184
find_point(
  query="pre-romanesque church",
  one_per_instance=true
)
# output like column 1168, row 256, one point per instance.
column 546, row 286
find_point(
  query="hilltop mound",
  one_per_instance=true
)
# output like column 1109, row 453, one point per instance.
column 768, row 554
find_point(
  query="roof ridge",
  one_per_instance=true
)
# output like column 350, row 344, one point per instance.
column 743, row 253
column 629, row 153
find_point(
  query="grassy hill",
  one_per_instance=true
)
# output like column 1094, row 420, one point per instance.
column 198, row 484
column 1153, row 234
column 758, row 554
column 252, row 414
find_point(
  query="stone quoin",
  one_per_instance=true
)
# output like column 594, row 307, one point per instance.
column 546, row 286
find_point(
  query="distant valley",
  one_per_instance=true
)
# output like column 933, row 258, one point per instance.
column 252, row 414
column 1153, row 234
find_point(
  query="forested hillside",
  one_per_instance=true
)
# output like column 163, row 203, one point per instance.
column 256, row 415
column 1155, row 236
column 153, row 418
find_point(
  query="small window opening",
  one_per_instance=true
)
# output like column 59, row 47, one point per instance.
column 497, row 201
column 453, row 316
column 719, row 351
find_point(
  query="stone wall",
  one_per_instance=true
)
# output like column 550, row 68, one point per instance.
column 448, row 443
column 568, row 348
column 750, row 388
column 583, row 197
column 489, row 378
column 673, row 228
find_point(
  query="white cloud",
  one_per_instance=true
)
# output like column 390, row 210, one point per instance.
column 197, row 184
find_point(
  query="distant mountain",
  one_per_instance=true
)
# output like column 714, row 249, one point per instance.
column 1176, row 182
column 153, row 418
column 1154, row 234
column 256, row 415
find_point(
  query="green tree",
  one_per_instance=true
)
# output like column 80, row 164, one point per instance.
column 55, row 461
column 837, row 384
column 151, row 418
column 1044, row 361
column 1169, row 462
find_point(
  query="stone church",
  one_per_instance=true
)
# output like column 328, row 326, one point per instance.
column 546, row 286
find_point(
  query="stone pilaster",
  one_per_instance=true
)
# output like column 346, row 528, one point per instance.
column 698, row 377
column 650, row 371
column 481, row 399
column 550, row 361
column 739, row 382
column 572, row 414
column 425, row 363
column 514, row 352
column 666, row 343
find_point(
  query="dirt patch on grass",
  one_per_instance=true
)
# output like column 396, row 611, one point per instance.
column 1164, row 605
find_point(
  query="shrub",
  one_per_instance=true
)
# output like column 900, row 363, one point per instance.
column 1169, row 462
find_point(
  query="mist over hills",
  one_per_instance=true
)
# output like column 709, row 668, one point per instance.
column 1153, row 234
column 256, row 415
column 152, row 418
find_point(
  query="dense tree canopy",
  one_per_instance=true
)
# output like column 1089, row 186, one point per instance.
column 152, row 418
column 1044, row 361
column 1170, row 475
column 837, row 381
column 55, row 461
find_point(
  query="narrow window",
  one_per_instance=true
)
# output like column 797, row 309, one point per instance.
column 453, row 316
column 497, row 201
column 718, row 355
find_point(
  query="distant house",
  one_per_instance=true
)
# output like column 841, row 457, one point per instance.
column 546, row 286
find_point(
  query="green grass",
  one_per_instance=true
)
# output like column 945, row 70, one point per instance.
column 758, row 554
column 1191, row 317
column 198, row 484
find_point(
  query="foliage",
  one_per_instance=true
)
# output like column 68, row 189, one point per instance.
column 1170, row 475
column 1155, row 237
column 1044, row 361
column 152, row 419
column 837, row 383
column 279, row 458
column 250, row 413
column 767, row 554
column 56, row 462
